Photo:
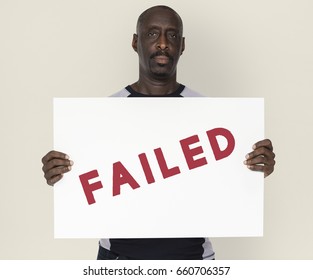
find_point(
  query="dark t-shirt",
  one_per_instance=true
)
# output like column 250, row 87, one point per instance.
column 160, row 248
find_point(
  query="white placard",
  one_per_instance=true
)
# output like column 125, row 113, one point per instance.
column 112, row 192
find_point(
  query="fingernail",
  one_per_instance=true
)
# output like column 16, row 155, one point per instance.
column 245, row 162
column 67, row 157
column 247, row 156
column 254, row 147
column 71, row 162
column 69, row 167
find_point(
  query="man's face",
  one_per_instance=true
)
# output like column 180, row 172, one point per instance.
column 159, row 43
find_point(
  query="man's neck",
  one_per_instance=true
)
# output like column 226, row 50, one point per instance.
column 159, row 87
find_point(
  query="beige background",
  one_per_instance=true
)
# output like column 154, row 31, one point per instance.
column 72, row 48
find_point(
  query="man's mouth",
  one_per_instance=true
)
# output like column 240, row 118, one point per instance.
column 161, row 59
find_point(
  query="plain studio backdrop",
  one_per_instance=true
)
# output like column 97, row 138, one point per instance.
column 237, row 48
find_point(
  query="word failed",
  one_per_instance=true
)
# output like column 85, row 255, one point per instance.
column 122, row 176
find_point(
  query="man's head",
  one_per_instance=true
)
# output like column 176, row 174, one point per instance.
column 159, row 42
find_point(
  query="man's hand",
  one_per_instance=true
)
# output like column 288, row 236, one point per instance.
column 55, row 164
column 261, row 158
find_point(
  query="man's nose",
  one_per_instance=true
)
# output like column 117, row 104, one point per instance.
column 162, row 43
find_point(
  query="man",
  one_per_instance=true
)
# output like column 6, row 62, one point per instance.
column 159, row 43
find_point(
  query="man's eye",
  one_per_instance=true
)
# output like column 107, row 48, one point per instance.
column 152, row 34
column 173, row 35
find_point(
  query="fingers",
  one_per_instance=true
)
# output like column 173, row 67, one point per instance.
column 55, row 164
column 55, row 174
column 262, row 158
column 54, row 180
column 267, row 143
column 52, row 155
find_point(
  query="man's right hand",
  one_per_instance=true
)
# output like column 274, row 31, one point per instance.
column 55, row 164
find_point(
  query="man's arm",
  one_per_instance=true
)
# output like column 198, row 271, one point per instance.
column 55, row 164
column 261, row 158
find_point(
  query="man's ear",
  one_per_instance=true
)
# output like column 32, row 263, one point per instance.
column 134, row 42
column 182, row 46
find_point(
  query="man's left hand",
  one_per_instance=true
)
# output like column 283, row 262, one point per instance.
column 261, row 158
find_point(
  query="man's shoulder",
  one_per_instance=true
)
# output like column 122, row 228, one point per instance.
column 187, row 92
column 122, row 93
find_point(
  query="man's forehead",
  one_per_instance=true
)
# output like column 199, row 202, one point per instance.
column 160, row 17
